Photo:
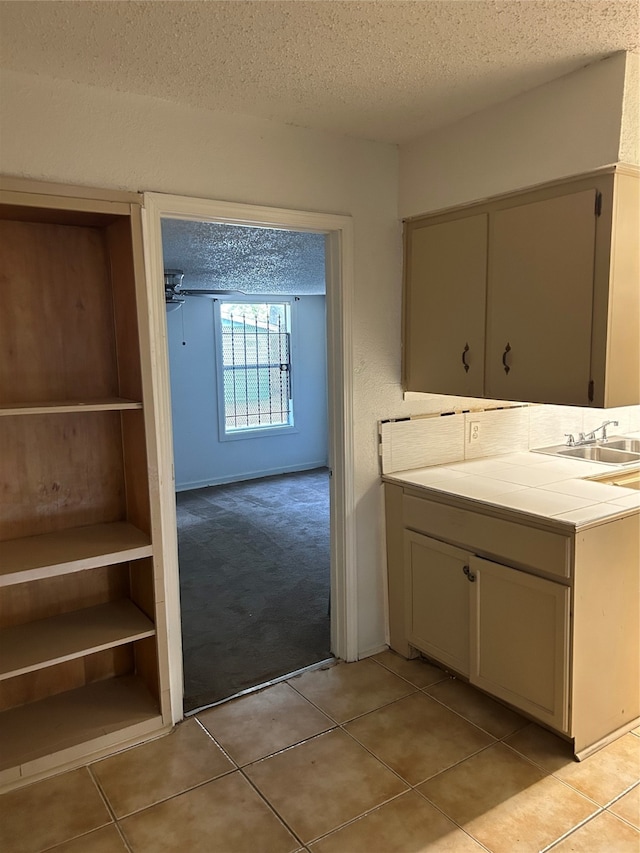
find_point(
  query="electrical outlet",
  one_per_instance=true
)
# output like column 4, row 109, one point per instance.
column 474, row 432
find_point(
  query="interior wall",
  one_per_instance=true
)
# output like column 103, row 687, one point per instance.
column 61, row 131
column 562, row 128
column 200, row 458
column 630, row 134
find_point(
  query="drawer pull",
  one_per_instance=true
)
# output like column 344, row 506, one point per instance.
column 507, row 350
column 464, row 357
column 470, row 575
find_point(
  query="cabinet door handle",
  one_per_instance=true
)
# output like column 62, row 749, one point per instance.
column 470, row 575
column 464, row 357
column 507, row 350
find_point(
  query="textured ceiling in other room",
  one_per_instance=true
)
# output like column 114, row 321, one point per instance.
column 253, row 260
column 390, row 71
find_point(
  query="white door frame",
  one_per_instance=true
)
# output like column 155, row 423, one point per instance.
column 340, row 286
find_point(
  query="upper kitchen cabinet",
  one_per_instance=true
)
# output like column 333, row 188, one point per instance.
column 445, row 301
column 545, row 283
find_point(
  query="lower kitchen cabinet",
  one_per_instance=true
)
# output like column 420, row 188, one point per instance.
column 543, row 617
column 506, row 630
column 437, row 601
column 520, row 640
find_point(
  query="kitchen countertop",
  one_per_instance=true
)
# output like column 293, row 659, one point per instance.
column 534, row 484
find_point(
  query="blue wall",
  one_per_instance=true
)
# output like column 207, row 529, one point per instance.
column 201, row 459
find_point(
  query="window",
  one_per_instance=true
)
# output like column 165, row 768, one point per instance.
column 255, row 358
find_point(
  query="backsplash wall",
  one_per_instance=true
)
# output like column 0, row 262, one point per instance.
column 438, row 439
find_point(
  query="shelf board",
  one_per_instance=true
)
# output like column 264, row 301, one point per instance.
column 73, row 550
column 36, row 645
column 50, row 407
column 60, row 728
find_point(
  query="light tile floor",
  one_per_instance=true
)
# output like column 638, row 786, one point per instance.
column 380, row 756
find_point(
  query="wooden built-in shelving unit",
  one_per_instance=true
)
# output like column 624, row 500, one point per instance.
column 83, row 655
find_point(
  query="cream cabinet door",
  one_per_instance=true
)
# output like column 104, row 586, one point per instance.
column 540, row 300
column 437, row 600
column 520, row 640
column 444, row 306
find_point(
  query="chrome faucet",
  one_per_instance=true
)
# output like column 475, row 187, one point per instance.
column 590, row 437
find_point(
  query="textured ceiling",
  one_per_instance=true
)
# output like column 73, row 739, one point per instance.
column 387, row 70
column 253, row 260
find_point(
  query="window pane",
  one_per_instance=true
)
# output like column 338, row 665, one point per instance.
column 256, row 365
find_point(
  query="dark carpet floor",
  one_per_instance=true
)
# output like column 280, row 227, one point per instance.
column 254, row 582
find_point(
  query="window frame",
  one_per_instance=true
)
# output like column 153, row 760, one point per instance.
column 262, row 431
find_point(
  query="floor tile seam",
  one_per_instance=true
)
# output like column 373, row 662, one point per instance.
column 58, row 844
column 404, row 677
column 623, row 819
column 102, row 793
column 125, row 841
column 573, row 788
column 413, row 692
column 357, row 716
column 287, row 748
column 617, row 799
column 571, row 831
column 378, row 759
column 272, row 808
column 357, row 818
column 428, row 778
column 466, row 719
column 216, row 742
column 455, row 764
column 449, row 818
column 173, row 796
column 331, row 728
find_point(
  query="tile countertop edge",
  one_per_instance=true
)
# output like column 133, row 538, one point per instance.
column 492, row 506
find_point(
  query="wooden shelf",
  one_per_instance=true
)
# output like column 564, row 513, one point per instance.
column 59, row 728
column 50, row 407
column 46, row 642
column 72, row 550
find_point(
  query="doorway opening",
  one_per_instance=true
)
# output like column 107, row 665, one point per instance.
column 247, row 358
column 336, row 232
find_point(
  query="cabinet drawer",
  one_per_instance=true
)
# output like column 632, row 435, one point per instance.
column 514, row 543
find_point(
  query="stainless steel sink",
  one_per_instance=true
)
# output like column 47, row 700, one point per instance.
column 619, row 443
column 598, row 453
column 617, row 451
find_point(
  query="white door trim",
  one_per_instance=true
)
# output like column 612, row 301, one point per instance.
column 340, row 286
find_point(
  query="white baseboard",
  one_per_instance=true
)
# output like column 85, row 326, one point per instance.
column 375, row 650
column 248, row 475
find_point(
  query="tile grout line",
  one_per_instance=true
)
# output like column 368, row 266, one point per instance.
column 364, row 713
column 123, row 837
column 571, row 831
column 549, row 773
column 471, row 722
column 442, row 812
column 341, row 726
column 355, row 819
column 219, row 745
column 422, row 781
column 116, row 821
column 272, row 808
column 607, row 808
column 187, row 790
column 240, row 769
